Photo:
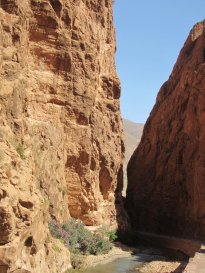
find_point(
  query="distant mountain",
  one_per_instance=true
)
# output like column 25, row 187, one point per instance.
column 133, row 132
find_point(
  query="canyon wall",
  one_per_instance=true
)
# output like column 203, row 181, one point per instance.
column 166, row 174
column 60, row 126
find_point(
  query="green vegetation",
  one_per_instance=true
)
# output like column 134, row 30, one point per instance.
column 47, row 201
column 82, row 241
column 56, row 248
column 20, row 151
column 106, row 232
column 112, row 235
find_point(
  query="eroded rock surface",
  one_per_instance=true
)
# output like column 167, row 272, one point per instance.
column 25, row 243
column 60, row 126
column 166, row 174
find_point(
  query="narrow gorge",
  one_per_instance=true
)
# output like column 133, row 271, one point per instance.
column 62, row 140
column 60, row 126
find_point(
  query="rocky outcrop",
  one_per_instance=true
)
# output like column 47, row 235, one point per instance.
column 166, row 173
column 60, row 126
column 25, row 243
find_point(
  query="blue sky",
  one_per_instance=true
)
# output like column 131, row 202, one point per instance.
column 150, row 35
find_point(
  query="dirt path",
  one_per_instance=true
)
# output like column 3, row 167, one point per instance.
column 186, row 246
column 197, row 263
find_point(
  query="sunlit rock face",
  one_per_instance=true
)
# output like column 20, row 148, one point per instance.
column 60, row 126
column 166, row 174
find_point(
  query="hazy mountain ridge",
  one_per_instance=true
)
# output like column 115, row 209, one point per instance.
column 133, row 132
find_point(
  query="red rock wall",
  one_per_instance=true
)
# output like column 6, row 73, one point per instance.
column 166, row 174
column 60, row 124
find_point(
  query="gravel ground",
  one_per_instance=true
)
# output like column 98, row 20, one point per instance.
column 162, row 267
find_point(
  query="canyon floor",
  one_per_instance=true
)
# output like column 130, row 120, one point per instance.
column 119, row 251
column 158, row 260
column 151, row 260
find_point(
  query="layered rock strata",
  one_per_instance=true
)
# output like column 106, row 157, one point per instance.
column 166, row 174
column 60, row 126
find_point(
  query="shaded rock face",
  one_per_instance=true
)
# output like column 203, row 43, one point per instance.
column 60, row 126
column 166, row 174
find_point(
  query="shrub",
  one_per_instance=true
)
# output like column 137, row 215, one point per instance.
column 77, row 260
column 111, row 235
column 57, row 231
column 79, row 240
column 83, row 240
column 78, row 235
column 56, row 248
column 98, row 245
column 20, row 151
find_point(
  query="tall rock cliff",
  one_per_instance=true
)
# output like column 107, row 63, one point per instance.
column 60, row 126
column 166, row 174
